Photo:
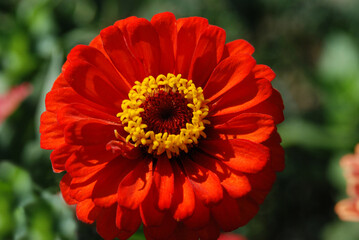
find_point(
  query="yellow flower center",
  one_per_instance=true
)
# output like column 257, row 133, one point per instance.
column 164, row 114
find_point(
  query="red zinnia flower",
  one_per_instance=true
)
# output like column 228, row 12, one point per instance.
column 160, row 122
column 348, row 209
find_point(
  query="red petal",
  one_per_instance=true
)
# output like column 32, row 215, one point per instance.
column 161, row 232
column 189, row 31
column 263, row 71
column 97, row 59
column 65, row 188
column 76, row 112
column 247, row 209
column 204, row 182
column 236, row 184
column 123, row 148
column 165, row 25
column 276, row 151
column 88, row 159
column 183, row 202
column 91, row 83
column 241, row 155
column 150, row 215
column 164, row 181
column 52, row 135
column 82, row 188
column 200, row 216
column 237, row 47
column 134, row 187
column 105, row 223
column 90, row 132
column 253, row 127
column 271, row 106
column 242, row 97
column 263, row 180
column 97, row 43
column 60, row 155
column 105, row 192
column 60, row 97
column 144, row 44
column 127, row 219
column 209, row 232
column 227, row 214
column 228, row 73
column 181, row 232
column 207, row 54
column 86, row 211
column 60, row 82
column 121, row 56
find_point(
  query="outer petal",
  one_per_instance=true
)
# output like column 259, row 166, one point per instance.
column 88, row 159
column 105, row 224
column 247, row 210
column 60, row 97
column 52, row 135
column 164, row 181
column 183, row 203
column 144, row 44
column 237, row 47
column 65, row 188
column 209, row 232
column 128, row 220
column 253, row 127
column 91, row 83
column 87, row 211
column 241, row 155
column 204, row 182
column 243, row 97
column 90, row 132
column 121, row 56
column 150, row 215
column 161, row 232
column 271, row 106
column 75, row 112
column 227, row 214
column 96, row 58
column 228, row 73
column 60, row 155
column 189, row 31
column 105, row 192
column 200, row 217
column 207, row 54
column 263, row 71
column 236, row 183
column 134, row 187
column 165, row 25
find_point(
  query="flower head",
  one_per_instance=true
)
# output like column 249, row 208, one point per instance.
column 348, row 209
column 162, row 123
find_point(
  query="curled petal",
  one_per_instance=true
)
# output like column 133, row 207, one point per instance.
column 134, row 187
column 87, row 211
column 205, row 183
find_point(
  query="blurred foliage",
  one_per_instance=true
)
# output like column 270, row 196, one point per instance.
column 311, row 45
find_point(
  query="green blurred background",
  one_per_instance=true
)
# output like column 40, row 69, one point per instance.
column 311, row 45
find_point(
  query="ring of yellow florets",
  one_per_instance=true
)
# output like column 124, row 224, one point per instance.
column 163, row 142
